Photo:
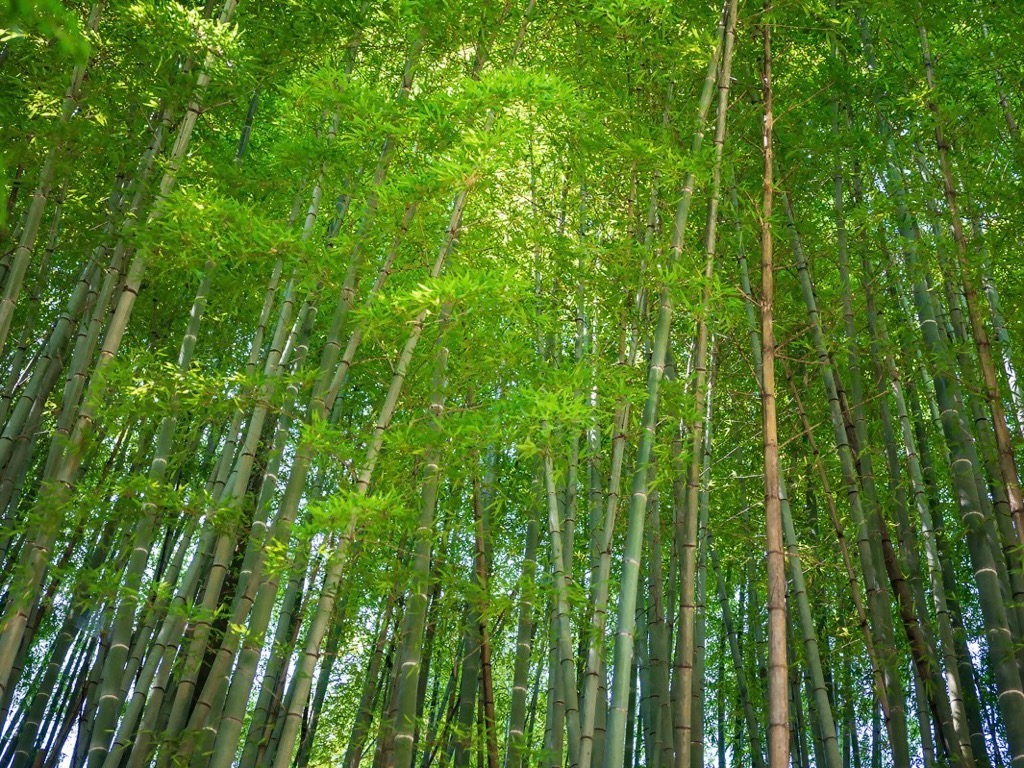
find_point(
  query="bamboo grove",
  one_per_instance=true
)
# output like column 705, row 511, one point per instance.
column 395, row 385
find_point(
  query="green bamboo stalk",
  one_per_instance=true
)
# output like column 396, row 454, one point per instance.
column 998, row 510
column 918, row 631
column 1002, row 335
column 16, row 366
column 563, row 630
column 962, row 661
column 159, row 660
column 878, row 605
column 729, row 627
column 879, row 331
column 50, row 357
column 415, row 617
column 629, row 758
column 261, row 723
column 215, row 694
column 1007, row 461
column 687, row 533
column 469, row 685
column 700, row 632
column 517, row 743
column 482, row 571
column 658, row 637
column 185, row 712
column 14, row 277
column 615, row 739
column 778, row 705
column 110, row 699
column 260, row 600
column 148, row 671
column 797, row 724
column 593, row 678
column 325, row 603
column 983, row 562
column 27, row 747
column 821, row 706
column 325, row 395
column 36, row 554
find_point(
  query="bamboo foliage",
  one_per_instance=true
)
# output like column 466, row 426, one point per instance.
column 330, row 331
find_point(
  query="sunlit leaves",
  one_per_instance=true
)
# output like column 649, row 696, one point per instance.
column 47, row 19
column 185, row 31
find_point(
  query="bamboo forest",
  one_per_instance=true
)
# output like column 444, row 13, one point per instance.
column 511, row 384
